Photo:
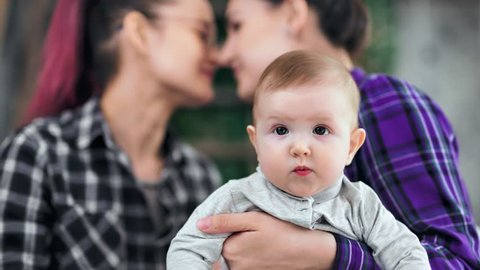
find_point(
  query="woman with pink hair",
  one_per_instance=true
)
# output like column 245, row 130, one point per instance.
column 95, row 180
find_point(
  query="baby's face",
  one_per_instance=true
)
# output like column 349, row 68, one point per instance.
column 303, row 137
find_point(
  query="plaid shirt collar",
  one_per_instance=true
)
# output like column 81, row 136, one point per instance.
column 359, row 76
column 92, row 126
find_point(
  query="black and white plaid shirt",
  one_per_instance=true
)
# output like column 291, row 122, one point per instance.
column 69, row 200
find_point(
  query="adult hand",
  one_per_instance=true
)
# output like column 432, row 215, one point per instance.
column 217, row 266
column 260, row 241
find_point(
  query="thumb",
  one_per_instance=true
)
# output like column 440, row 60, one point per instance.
column 229, row 223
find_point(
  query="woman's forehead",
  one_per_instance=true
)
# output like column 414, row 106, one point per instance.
column 200, row 9
column 240, row 6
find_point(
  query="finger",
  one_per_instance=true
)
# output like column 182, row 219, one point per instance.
column 217, row 266
column 229, row 223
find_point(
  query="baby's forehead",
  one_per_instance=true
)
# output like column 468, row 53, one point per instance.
column 335, row 85
column 320, row 97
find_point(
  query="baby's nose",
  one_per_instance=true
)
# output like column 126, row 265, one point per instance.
column 300, row 149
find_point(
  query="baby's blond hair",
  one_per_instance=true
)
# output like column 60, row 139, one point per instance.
column 299, row 68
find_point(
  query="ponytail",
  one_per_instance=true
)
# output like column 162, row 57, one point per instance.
column 62, row 66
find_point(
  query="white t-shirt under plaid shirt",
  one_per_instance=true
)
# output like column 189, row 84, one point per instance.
column 69, row 199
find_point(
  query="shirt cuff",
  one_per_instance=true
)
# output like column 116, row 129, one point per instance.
column 352, row 255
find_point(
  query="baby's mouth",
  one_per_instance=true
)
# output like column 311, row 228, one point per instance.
column 302, row 170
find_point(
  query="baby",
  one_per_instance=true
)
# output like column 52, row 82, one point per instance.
column 305, row 131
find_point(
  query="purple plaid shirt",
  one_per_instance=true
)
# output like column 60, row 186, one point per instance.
column 410, row 158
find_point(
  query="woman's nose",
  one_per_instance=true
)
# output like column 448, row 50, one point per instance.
column 224, row 54
column 213, row 55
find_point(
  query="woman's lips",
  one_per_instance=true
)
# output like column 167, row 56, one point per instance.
column 302, row 170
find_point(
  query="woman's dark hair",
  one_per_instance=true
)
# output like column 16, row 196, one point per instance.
column 344, row 22
column 79, row 55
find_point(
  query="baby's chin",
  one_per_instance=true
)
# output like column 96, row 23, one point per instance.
column 303, row 192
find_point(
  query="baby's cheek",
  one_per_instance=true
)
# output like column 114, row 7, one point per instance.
column 272, row 167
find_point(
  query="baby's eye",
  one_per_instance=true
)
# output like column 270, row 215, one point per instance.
column 319, row 130
column 281, row 131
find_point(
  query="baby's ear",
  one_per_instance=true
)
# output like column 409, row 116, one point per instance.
column 252, row 135
column 357, row 138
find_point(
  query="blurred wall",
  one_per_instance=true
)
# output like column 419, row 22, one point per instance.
column 24, row 27
column 3, row 96
column 438, row 49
